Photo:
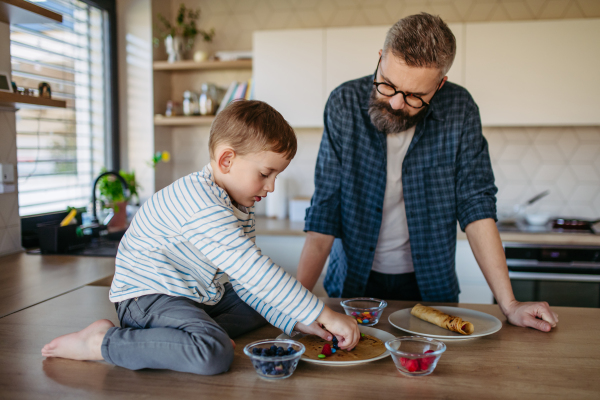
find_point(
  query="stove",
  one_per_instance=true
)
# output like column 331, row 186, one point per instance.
column 558, row 225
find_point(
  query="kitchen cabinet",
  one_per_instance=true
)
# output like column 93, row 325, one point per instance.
column 473, row 286
column 296, row 70
column 288, row 74
column 285, row 251
column 353, row 52
column 534, row 73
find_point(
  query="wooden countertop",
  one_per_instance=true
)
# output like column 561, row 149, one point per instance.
column 27, row 279
column 510, row 364
column 284, row 227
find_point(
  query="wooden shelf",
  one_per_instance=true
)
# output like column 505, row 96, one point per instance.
column 13, row 98
column 160, row 120
column 204, row 65
column 24, row 12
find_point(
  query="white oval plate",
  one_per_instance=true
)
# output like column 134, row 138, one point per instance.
column 367, row 330
column 485, row 324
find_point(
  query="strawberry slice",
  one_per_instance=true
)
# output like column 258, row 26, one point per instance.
column 412, row 365
column 326, row 349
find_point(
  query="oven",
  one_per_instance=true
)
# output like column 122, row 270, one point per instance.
column 562, row 275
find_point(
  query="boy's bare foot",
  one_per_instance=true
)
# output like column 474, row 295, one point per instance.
column 233, row 343
column 82, row 345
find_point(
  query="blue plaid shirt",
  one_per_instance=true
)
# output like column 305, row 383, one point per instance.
column 446, row 174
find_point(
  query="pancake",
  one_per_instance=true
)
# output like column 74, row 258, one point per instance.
column 367, row 347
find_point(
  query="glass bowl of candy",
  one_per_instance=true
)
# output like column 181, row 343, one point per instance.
column 415, row 355
column 366, row 310
column 275, row 358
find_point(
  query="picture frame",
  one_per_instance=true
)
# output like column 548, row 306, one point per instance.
column 5, row 82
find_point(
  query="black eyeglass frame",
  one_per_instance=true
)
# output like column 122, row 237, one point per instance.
column 404, row 95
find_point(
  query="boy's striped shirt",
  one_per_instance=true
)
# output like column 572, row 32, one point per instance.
column 186, row 236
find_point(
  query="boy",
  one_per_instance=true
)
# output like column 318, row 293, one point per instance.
column 174, row 311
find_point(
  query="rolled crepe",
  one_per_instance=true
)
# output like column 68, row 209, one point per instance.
column 443, row 320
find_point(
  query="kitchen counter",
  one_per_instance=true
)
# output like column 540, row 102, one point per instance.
column 284, row 227
column 27, row 279
column 512, row 363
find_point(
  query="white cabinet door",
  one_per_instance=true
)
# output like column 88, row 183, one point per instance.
column 288, row 74
column 285, row 251
column 473, row 286
column 352, row 53
column 535, row 73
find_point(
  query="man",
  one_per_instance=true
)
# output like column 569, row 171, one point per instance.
column 401, row 160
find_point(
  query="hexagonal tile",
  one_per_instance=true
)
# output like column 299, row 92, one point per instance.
column 591, row 8
column 578, row 210
column 588, row 133
column 377, row 16
column 517, row 10
column 531, row 163
column 549, row 152
column 343, row 17
column 596, row 205
column 514, row 171
column 447, row 12
column 574, row 11
column 516, row 135
column 585, row 192
column 554, row 9
column 513, row 151
column 499, row 13
column 395, row 8
column 586, row 152
column 305, row 4
column 568, row 142
column 512, row 192
column 326, row 10
column 566, row 183
column 309, row 18
column 585, row 173
column 549, row 172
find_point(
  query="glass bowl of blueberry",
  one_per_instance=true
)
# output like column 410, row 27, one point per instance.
column 366, row 310
column 275, row 358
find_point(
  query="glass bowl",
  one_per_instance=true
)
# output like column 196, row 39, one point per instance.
column 415, row 355
column 366, row 310
column 274, row 366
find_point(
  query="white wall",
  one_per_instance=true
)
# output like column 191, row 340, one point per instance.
column 134, row 33
column 10, row 223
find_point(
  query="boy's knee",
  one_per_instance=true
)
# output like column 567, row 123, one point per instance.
column 215, row 355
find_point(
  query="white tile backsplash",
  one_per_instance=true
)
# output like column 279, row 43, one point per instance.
column 564, row 160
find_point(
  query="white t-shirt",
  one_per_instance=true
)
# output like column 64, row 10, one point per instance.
column 392, row 255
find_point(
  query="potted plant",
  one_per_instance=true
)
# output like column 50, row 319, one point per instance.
column 112, row 196
column 180, row 36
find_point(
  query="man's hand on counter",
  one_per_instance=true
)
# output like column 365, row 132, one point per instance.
column 533, row 315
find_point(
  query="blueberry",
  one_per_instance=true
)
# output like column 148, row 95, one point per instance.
column 274, row 348
column 334, row 340
column 264, row 352
column 256, row 350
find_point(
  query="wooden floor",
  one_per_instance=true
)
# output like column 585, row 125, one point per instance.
column 513, row 363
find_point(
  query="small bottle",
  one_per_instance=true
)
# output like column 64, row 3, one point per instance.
column 190, row 103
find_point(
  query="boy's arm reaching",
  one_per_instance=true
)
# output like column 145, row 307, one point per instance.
column 216, row 233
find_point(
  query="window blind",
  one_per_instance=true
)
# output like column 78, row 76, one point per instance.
column 61, row 151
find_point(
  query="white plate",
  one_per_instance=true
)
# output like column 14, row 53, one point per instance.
column 485, row 324
column 367, row 330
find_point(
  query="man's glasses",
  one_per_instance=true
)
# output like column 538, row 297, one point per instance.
column 389, row 91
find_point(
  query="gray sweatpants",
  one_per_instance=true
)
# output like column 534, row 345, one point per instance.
column 165, row 332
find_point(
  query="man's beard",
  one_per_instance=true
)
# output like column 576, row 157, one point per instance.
column 388, row 120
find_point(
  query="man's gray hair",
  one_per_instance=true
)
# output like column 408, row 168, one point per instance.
column 422, row 40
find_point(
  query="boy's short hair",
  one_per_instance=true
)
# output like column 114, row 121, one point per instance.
column 250, row 126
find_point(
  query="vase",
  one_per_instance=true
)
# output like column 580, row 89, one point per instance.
column 174, row 46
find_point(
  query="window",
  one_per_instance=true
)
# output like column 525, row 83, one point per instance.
column 61, row 151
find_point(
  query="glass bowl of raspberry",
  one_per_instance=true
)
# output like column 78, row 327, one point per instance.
column 275, row 358
column 415, row 355
column 366, row 310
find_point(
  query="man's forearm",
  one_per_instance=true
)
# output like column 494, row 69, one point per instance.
column 314, row 253
column 487, row 247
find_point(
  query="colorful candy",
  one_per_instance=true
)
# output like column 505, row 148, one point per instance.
column 321, row 356
column 365, row 317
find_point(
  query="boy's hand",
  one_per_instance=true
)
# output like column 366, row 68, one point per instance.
column 314, row 329
column 342, row 326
